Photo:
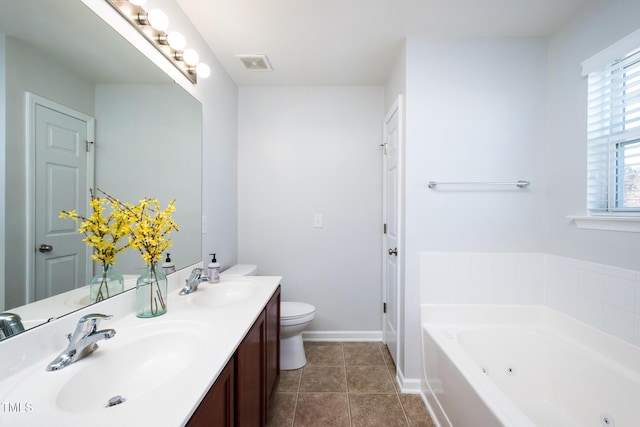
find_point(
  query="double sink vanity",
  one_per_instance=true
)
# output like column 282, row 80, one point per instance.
column 212, row 359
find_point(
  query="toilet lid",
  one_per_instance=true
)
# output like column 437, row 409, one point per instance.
column 290, row 309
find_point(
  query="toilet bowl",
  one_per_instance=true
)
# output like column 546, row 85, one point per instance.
column 294, row 318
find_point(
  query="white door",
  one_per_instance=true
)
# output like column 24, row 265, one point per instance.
column 63, row 175
column 391, row 216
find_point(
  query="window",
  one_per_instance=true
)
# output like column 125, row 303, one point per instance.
column 613, row 156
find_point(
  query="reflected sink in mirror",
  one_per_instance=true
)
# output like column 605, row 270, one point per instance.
column 226, row 292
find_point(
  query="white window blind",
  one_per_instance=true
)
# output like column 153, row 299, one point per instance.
column 613, row 156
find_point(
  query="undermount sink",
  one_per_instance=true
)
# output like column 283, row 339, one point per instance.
column 226, row 292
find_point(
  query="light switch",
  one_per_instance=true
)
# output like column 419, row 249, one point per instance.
column 317, row 220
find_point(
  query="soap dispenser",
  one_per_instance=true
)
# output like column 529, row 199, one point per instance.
column 214, row 270
column 168, row 267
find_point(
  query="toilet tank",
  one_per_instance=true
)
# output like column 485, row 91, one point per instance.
column 240, row 270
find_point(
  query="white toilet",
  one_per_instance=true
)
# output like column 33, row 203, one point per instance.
column 240, row 270
column 294, row 318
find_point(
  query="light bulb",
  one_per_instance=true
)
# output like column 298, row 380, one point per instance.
column 190, row 57
column 138, row 2
column 203, row 70
column 158, row 19
column 176, row 40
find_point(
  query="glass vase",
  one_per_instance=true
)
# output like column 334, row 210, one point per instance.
column 105, row 284
column 151, row 293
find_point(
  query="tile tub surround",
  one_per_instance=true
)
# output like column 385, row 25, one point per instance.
column 602, row 296
column 345, row 384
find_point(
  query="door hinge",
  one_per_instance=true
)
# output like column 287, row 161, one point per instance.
column 384, row 307
column 88, row 145
column 384, row 229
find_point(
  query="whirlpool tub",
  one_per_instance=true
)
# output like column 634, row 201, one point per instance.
column 523, row 366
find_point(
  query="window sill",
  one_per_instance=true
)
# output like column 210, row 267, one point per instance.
column 608, row 223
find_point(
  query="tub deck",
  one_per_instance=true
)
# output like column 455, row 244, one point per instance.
column 526, row 366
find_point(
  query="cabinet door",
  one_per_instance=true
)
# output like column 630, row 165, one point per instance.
column 250, row 377
column 217, row 409
column 272, row 319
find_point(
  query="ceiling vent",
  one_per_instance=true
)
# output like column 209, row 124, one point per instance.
column 255, row 62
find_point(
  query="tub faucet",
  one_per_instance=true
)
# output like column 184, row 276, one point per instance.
column 191, row 285
column 83, row 341
column 10, row 325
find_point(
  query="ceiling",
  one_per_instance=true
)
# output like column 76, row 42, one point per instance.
column 355, row 42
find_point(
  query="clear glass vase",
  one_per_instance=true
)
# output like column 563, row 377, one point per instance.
column 105, row 284
column 151, row 293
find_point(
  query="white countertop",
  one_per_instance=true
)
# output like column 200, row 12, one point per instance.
column 38, row 397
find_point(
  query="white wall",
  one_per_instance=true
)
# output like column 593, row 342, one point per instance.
column 397, row 81
column 219, row 97
column 308, row 150
column 599, row 26
column 475, row 111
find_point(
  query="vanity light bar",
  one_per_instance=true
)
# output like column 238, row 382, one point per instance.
column 152, row 26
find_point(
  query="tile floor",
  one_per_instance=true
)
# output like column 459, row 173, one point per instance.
column 349, row 384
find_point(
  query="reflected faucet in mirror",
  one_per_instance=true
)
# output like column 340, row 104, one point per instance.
column 10, row 325
column 83, row 341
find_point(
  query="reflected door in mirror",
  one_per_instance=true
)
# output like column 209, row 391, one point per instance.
column 63, row 177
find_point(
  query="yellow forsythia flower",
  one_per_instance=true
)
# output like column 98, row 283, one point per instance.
column 102, row 233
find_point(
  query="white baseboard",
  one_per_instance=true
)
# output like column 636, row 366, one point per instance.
column 342, row 336
column 408, row 385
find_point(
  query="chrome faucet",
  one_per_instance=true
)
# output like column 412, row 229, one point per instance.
column 10, row 325
column 83, row 341
column 191, row 285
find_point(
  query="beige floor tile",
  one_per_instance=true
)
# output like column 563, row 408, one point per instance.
column 349, row 384
column 363, row 354
column 369, row 379
column 323, row 378
column 322, row 410
column 416, row 410
column 324, row 353
column 289, row 381
column 387, row 356
column 376, row 410
column 282, row 410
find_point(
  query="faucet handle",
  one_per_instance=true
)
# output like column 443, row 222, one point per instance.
column 195, row 274
column 95, row 317
column 87, row 324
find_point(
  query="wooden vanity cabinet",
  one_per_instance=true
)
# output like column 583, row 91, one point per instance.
column 272, row 320
column 242, row 394
column 218, row 408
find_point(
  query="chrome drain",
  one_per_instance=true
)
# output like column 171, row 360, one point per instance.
column 115, row 400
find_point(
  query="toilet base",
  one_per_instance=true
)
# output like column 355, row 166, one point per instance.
column 292, row 353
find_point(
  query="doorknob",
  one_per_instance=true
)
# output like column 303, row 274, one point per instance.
column 393, row 251
column 44, row 248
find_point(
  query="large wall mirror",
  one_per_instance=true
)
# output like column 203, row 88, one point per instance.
column 59, row 56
